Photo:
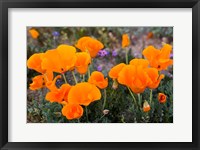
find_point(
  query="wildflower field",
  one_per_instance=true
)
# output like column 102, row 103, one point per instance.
column 100, row 74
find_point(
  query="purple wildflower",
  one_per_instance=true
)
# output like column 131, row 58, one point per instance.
column 99, row 68
column 114, row 53
column 103, row 53
column 55, row 33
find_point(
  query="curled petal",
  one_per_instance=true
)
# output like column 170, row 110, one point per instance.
column 38, row 82
column 97, row 78
column 82, row 62
column 114, row 72
column 83, row 93
column 34, row 62
column 72, row 111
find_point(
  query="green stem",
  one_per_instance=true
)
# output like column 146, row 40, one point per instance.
column 104, row 103
column 64, row 77
column 88, row 72
column 126, row 56
column 132, row 96
column 86, row 111
column 150, row 97
column 139, row 99
column 101, row 117
column 83, row 78
column 78, row 120
column 74, row 77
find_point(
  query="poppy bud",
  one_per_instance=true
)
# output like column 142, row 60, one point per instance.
column 115, row 84
column 146, row 106
column 105, row 112
column 162, row 97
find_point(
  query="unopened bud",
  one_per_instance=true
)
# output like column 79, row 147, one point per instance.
column 105, row 112
column 115, row 84
column 146, row 106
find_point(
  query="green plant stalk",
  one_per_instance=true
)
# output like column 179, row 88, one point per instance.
column 86, row 111
column 83, row 78
column 64, row 77
column 88, row 72
column 104, row 102
column 139, row 99
column 126, row 56
column 74, row 77
column 132, row 96
column 150, row 97
column 101, row 117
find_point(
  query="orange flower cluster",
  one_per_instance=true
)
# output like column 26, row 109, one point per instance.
column 136, row 75
column 140, row 74
column 65, row 58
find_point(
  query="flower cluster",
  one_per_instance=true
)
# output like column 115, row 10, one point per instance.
column 140, row 74
column 136, row 75
column 53, row 64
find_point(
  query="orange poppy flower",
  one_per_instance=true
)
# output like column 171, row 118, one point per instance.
column 34, row 62
column 146, row 106
column 134, row 77
column 88, row 44
column 72, row 111
column 114, row 72
column 125, row 40
column 149, row 35
column 162, row 98
column 40, row 81
column 139, row 62
column 59, row 95
column 97, row 78
column 159, row 59
column 34, row 33
column 84, row 93
column 60, row 60
column 82, row 62
column 154, row 77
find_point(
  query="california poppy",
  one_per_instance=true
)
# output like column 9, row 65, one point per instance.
column 162, row 98
column 34, row 62
column 149, row 35
column 97, row 78
column 59, row 94
column 72, row 111
column 34, row 33
column 134, row 77
column 40, row 81
column 125, row 40
column 60, row 60
column 90, row 45
column 82, row 62
column 83, row 93
column 155, row 78
column 114, row 72
column 159, row 59
column 146, row 106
